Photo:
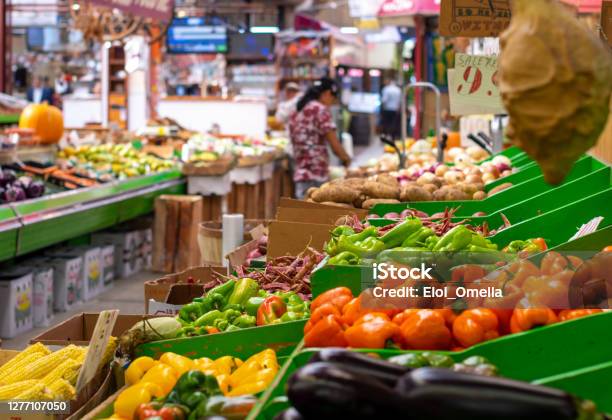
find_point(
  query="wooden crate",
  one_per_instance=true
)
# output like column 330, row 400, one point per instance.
column 175, row 245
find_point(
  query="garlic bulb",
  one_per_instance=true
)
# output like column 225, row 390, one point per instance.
column 555, row 79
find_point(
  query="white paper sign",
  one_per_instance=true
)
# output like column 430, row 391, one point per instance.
column 473, row 86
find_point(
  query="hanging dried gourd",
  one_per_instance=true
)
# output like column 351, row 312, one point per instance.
column 555, row 82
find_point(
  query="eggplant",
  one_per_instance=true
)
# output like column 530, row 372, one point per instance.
column 289, row 414
column 8, row 177
column 445, row 394
column 362, row 365
column 13, row 193
column 324, row 390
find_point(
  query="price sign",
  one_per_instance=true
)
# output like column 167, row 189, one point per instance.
column 474, row 18
column 473, row 86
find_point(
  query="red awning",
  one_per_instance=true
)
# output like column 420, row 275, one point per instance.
column 409, row 8
column 585, row 6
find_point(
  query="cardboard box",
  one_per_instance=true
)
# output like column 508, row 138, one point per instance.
column 180, row 294
column 127, row 250
column 291, row 238
column 157, row 290
column 79, row 329
column 107, row 257
column 239, row 256
column 16, row 313
column 66, row 282
column 90, row 283
column 43, row 295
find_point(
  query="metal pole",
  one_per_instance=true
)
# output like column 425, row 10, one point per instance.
column 438, row 113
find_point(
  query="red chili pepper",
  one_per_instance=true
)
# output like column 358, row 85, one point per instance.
column 270, row 310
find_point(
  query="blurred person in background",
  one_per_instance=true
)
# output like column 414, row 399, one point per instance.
column 286, row 108
column 390, row 119
column 311, row 129
column 39, row 92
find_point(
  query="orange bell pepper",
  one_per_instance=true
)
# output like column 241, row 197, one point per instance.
column 474, row 326
column 321, row 312
column 521, row 270
column 426, row 330
column 327, row 332
column 526, row 319
column 503, row 315
column 552, row 263
column 371, row 331
column 568, row 314
column 402, row 316
column 467, row 273
column 607, row 249
column 449, row 316
column 338, row 297
column 352, row 311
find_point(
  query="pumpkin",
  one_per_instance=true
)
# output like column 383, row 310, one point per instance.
column 46, row 121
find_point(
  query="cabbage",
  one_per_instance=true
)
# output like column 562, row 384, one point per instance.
column 13, row 193
column 35, row 189
column 23, row 182
column 8, row 177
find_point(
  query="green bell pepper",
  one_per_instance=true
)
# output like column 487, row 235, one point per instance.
column 208, row 318
column 245, row 289
column 230, row 314
column 291, row 316
column 344, row 258
column 418, row 238
column 399, row 233
column 224, row 289
column 253, row 304
column 232, row 327
column 192, row 388
column 456, row 239
column 431, row 242
column 244, row 321
column 191, row 312
column 368, row 247
column 342, row 230
column 221, row 324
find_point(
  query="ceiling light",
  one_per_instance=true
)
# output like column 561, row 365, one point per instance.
column 264, row 29
column 349, row 30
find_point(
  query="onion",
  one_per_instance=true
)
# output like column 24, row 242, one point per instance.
column 452, row 177
column 392, row 215
column 406, row 213
column 501, row 167
column 441, row 170
column 426, row 178
column 501, row 160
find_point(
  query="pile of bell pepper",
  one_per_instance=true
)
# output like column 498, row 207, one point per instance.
column 349, row 248
column 238, row 304
column 339, row 320
column 176, row 387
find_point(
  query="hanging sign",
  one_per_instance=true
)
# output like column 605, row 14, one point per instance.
column 154, row 9
column 474, row 18
column 473, row 86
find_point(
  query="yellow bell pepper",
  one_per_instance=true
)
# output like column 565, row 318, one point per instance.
column 203, row 364
column 223, row 381
column 138, row 368
column 249, row 368
column 255, row 374
column 181, row 364
column 248, row 389
column 130, row 398
column 163, row 375
column 225, row 365
column 267, row 358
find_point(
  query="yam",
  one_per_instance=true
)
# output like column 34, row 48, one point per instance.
column 479, row 195
column 500, row 188
column 368, row 204
column 358, row 202
column 335, row 193
column 310, row 190
column 378, row 190
column 415, row 194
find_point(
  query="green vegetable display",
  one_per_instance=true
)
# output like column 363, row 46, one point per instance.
column 234, row 305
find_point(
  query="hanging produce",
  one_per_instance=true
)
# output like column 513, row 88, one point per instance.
column 555, row 78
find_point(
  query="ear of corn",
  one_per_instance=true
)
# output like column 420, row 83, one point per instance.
column 34, row 348
column 67, row 370
column 18, row 367
column 62, row 390
column 42, row 366
column 8, row 392
column 36, row 393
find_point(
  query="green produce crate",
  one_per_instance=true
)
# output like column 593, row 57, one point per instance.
column 283, row 338
column 592, row 243
column 526, row 183
column 547, row 355
column 591, row 383
column 559, row 225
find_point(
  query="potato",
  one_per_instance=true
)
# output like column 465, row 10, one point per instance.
column 378, row 190
column 438, row 182
column 479, row 186
column 488, row 177
column 335, row 193
column 452, row 177
column 426, row 178
column 368, row 204
column 479, row 195
column 499, row 188
column 358, row 202
column 468, row 188
column 415, row 194
column 455, row 194
column 388, row 180
column 430, row 188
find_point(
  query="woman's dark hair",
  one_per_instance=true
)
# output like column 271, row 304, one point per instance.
column 314, row 92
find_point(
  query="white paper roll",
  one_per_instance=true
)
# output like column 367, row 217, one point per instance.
column 233, row 233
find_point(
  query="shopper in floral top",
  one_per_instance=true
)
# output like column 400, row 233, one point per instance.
column 311, row 129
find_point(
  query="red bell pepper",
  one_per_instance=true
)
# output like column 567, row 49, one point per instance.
column 270, row 310
column 156, row 410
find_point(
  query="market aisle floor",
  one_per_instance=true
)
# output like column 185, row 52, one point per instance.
column 127, row 295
